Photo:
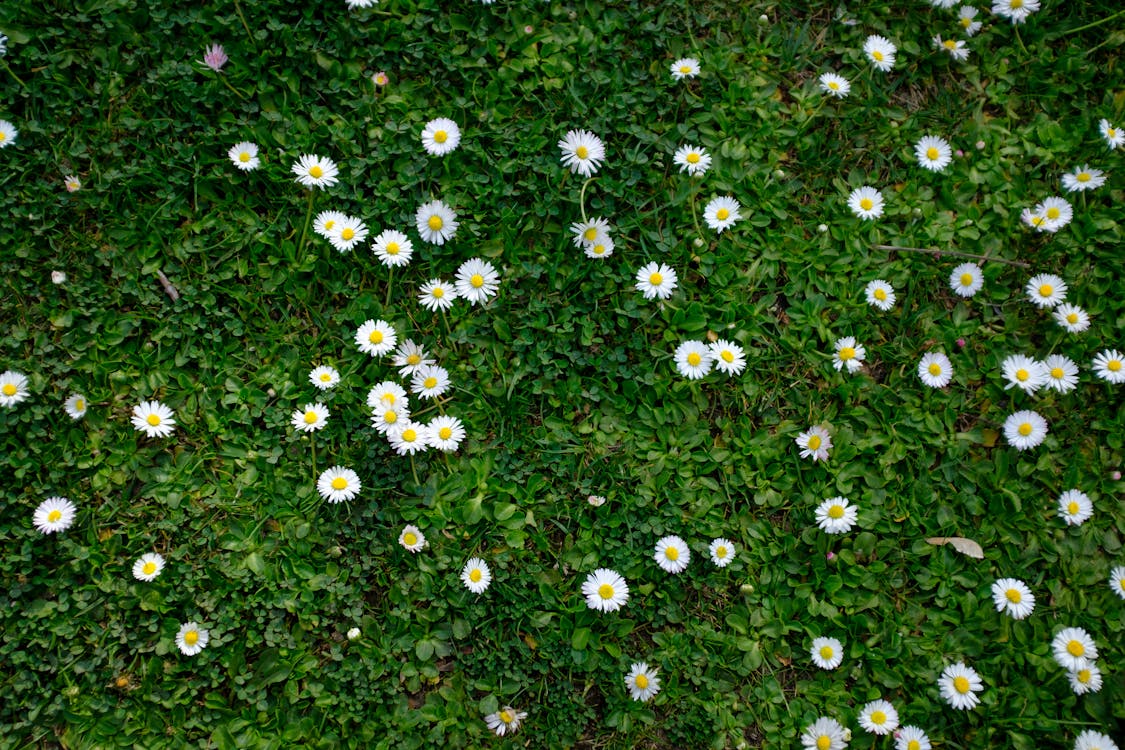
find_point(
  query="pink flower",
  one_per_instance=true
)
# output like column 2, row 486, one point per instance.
column 380, row 79
column 215, row 58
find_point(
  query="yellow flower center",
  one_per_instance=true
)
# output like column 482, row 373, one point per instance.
column 655, row 279
column 1016, row 4
column 243, row 157
column 950, row 45
column 847, row 353
column 641, row 681
column 476, row 280
column 966, row 21
column 79, row 405
column 409, row 435
column 866, row 204
column 590, row 234
column 966, row 279
column 694, row 359
column 727, row 355
column 878, row 718
column 599, row 249
column 934, row 369
column 836, row 511
column 581, row 152
column 1036, row 220
column 475, row 576
column 1075, row 648
column 392, row 248
column 833, row 85
column 347, row 234
column 316, row 172
column 4, row 136
column 1083, row 676
column 54, row 516
column 149, row 568
column 721, row 552
column 1112, row 132
column 961, row 684
column 1052, row 213
column 1083, row 177
column 375, row 337
column 1014, row 596
column 435, row 223
column 814, row 442
column 445, row 433
column 413, row 359
column 9, row 389
column 722, row 214
column 1022, row 375
column 686, row 69
column 437, row 292
column 877, row 55
column 1072, row 318
column 410, row 539
column 605, row 591
column 430, row 382
column 826, row 652
column 329, row 224
column 672, row 554
column 325, row 377
column 339, row 483
column 932, row 153
column 881, row 295
column 505, row 715
column 191, row 637
column 692, row 158
column 311, row 417
column 390, row 417
column 1025, row 429
column 1057, row 373
column 153, row 419
column 823, row 742
column 1072, row 508
column 1113, row 365
column 389, row 398
column 440, row 136
column 914, row 745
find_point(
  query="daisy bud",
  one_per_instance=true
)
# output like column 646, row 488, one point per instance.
column 830, row 556
column 698, row 242
column 778, row 174
column 1115, row 475
column 961, row 343
column 58, row 277
column 980, row 145
column 822, row 228
column 746, row 588
column 764, row 18
column 959, row 153
column 353, row 634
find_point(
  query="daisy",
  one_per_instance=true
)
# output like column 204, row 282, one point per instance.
column 836, row 85
column 386, row 417
column 1075, row 507
column 848, row 354
column 414, row 540
column 13, row 388
column 148, row 566
column 1071, row 317
column 380, row 78
column 445, row 433
column 967, row 17
column 933, row 153
column 1016, row 10
column 1034, row 219
column 1117, row 580
column 436, row 222
column 589, row 232
column 1083, row 178
column 440, row 136
column 1013, row 598
column 192, row 639
column 944, row 4
column 338, row 484
column 476, row 281
column 1085, row 680
column 392, row 248
column 656, row 280
column 1108, row 366
column 1062, row 373
column 693, row 359
column 685, row 67
column 408, row 438
column 879, row 717
column 408, row 357
column 430, row 381
column 1046, row 290
column 729, row 358
column 1024, row 372
column 387, row 393
column 866, row 202
column 582, row 151
column 153, row 418
column 827, row 653
column 476, row 576
column 8, row 133
column 506, row 719
column 814, row 443
column 1114, row 137
column 959, row 685
column 1056, row 212
column 723, row 551
column 54, row 514
column 642, row 681
column 721, row 213
column 836, row 516
column 605, row 590
column 75, row 406
column 72, row 183
column 935, row 369
column 313, row 171
column 911, row 738
column 602, row 249
column 955, row 47
column 1025, row 429
column 324, row 377
column 880, row 52
column 353, row 4
column 1074, row 648
column 376, row 337
column 347, row 233
column 244, row 155
column 596, row 501
column 672, row 554
column 436, row 294
column 880, row 294
column 966, row 279
column 326, row 221
column 824, row 734
column 1091, row 740
column 214, row 57
column 310, row 418
column 692, row 159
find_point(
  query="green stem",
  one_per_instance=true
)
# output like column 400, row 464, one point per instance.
column 1091, row 25
column 1019, row 39
column 390, row 278
column 582, row 197
column 305, row 231
column 13, row 75
column 249, row 34
column 413, row 471
column 227, row 83
column 313, row 440
column 694, row 215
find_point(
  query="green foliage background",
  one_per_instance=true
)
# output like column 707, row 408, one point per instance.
column 565, row 381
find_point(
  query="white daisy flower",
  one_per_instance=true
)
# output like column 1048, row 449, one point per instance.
column 310, row 418
column 1114, row 136
column 440, row 136
column 414, row 540
column 642, row 681
column 75, row 406
column 723, row 551
column 599, row 250
column 408, row 438
column 605, row 590
column 814, row 443
column 582, row 152
column 835, row 85
column 1023, row 372
column 878, row 717
column 721, row 213
column 1074, row 648
column 836, row 516
column 693, row 359
column 191, row 639
column 590, row 231
column 385, row 417
column 825, row 734
column 154, row 419
column 935, row 369
column 933, row 153
column 966, row 279
column 476, row 576
column 324, row 377
column 436, row 294
column 672, row 554
column 1071, row 317
column 967, row 17
column 430, row 381
column 1075, row 507
column 387, row 393
column 338, row 484
column 446, row 433
column 692, row 159
column 959, row 685
column 408, row 357
column 880, row 294
column 505, row 720
column 848, row 355
column 729, row 357
column 436, row 222
column 955, row 47
column 148, row 566
column 1090, row 740
column 1056, row 212
column 880, row 52
column 866, row 202
column 1016, row 10
column 827, row 653
column 53, row 515
column 1046, row 290
column 1085, row 680
column 376, row 337
column 656, row 280
column 1117, row 580
column 1083, row 178
column 326, row 221
column 1025, row 429
column 476, row 281
column 911, row 738
column 1109, row 365
column 685, row 67
column 244, row 155
column 1013, row 598
column 392, row 248
column 1062, row 373
column 316, row 172
column 8, row 133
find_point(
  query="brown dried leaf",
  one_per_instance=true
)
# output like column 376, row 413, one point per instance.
column 961, row 544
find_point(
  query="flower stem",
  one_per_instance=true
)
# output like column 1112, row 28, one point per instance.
column 582, row 197
column 305, row 231
column 390, row 278
column 1091, row 25
column 238, row 9
column 13, row 74
column 312, row 439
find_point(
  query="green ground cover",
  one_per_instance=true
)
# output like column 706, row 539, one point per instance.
column 565, row 379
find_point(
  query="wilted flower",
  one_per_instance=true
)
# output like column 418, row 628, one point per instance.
column 215, row 58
